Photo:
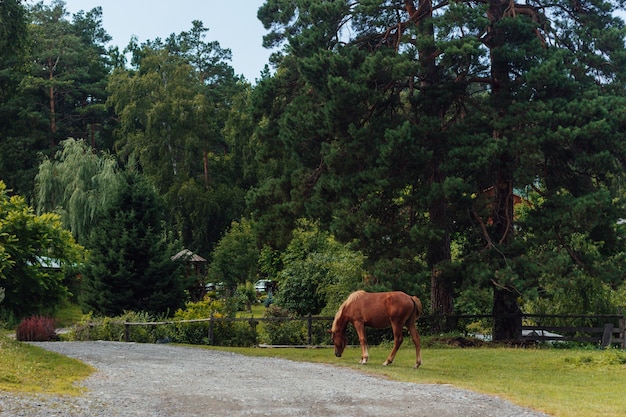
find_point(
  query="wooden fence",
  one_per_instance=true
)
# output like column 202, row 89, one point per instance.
column 252, row 321
column 534, row 327
column 611, row 331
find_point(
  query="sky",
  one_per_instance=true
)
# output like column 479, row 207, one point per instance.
column 234, row 25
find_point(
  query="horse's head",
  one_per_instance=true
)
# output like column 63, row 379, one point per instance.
column 340, row 340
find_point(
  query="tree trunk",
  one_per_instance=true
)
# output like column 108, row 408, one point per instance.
column 438, row 252
column 507, row 323
column 505, row 296
column 53, row 121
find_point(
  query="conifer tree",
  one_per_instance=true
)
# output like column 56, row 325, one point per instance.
column 130, row 266
column 415, row 125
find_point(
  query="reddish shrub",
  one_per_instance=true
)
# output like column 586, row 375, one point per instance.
column 36, row 329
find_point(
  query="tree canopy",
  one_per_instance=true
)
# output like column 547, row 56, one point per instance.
column 35, row 253
column 415, row 127
column 469, row 152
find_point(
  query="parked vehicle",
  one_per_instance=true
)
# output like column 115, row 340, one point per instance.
column 214, row 286
column 265, row 285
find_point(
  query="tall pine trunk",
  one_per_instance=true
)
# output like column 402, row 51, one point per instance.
column 438, row 251
column 507, row 320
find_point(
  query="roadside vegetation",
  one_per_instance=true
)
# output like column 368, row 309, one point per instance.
column 29, row 369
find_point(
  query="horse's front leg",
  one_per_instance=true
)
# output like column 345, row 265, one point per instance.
column 397, row 341
column 360, row 330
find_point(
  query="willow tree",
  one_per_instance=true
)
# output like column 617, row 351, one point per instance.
column 77, row 183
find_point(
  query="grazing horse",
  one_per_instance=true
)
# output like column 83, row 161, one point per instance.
column 378, row 310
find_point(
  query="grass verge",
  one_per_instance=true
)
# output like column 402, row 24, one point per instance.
column 572, row 383
column 27, row 368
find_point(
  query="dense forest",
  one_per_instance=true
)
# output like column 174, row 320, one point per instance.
column 469, row 152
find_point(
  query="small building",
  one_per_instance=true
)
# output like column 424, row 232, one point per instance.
column 195, row 269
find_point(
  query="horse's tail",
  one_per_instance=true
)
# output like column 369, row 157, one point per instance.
column 417, row 307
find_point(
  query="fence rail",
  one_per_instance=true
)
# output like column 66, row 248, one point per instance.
column 252, row 321
column 609, row 329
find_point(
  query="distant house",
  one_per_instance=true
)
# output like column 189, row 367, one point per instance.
column 47, row 263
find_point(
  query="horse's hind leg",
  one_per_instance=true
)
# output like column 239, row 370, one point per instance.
column 416, row 340
column 360, row 330
column 397, row 341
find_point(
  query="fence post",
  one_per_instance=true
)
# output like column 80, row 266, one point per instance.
column 210, row 335
column 622, row 327
column 253, row 322
column 126, row 332
column 607, row 335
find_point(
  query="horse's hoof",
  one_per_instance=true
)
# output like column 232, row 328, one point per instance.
column 386, row 363
column 417, row 365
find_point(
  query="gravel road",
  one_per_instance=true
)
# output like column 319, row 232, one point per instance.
column 166, row 380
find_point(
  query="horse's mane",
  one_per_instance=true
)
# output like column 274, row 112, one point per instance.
column 351, row 298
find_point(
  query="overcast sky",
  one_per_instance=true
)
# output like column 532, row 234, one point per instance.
column 232, row 23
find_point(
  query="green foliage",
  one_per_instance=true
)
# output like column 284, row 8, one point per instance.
column 55, row 88
column 287, row 332
column 318, row 272
column 92, row 327
column 287, row 328
column 197, row 333
column 77, row 183
column 194, row 331
column 129, row 267
column 245, row 296
column 28, row 243
column 235, row 257
column 416, row 144
column 173, row 105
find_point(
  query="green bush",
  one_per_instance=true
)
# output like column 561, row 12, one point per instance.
column 224, row 333
column 282, row 332
column 113, row 329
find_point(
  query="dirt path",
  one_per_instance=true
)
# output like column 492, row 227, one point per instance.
column 165, row 380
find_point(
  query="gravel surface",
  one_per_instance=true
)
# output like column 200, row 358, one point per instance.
column 166, row 380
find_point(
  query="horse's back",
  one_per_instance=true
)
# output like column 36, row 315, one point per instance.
column 379, row 310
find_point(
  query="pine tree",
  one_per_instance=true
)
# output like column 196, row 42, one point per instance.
column 414, row 127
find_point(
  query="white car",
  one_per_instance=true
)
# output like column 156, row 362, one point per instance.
column 263, row 285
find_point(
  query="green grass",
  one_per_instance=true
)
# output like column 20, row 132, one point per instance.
column 27, row 368
column 572, row 383
column 257, row 310
column 68, row 315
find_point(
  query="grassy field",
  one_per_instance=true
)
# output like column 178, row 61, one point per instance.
column 26, row 368
column 572, row 383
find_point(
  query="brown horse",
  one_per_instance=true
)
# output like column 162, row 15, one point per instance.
column 378, row 310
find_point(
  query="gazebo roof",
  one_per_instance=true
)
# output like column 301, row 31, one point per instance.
column 188, row 255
